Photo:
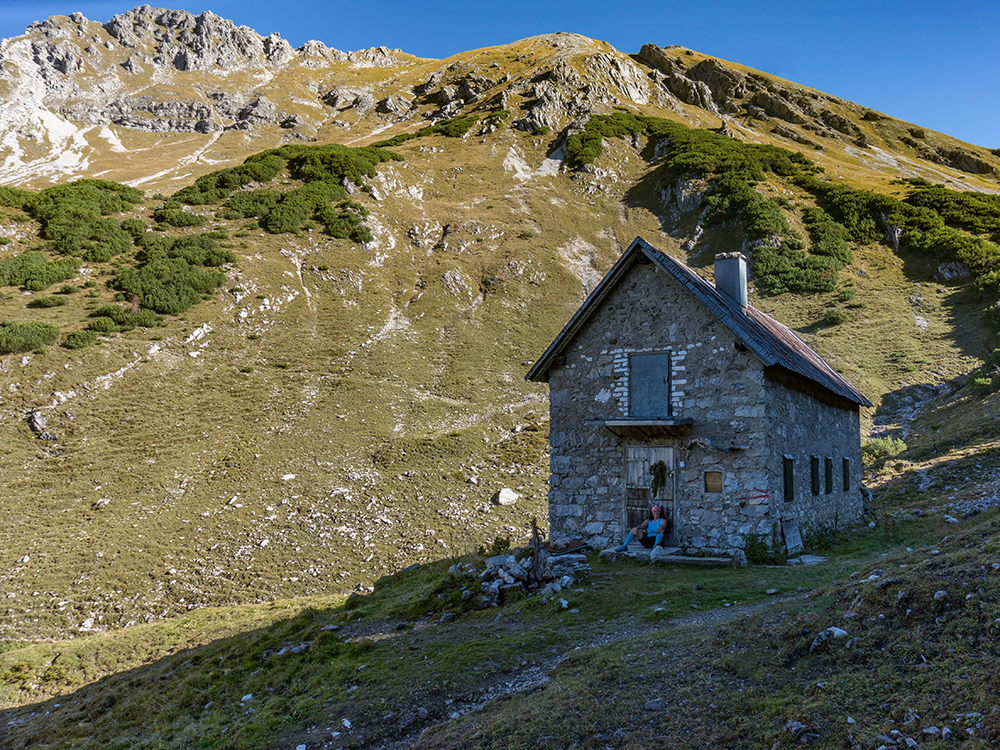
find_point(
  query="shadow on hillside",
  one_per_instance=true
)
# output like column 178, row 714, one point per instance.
column 650, row 193
column 900, row 407
column 175, row 690
column 155, row 689
column 962, row 485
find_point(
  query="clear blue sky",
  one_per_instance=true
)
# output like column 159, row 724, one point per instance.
column 935, row 64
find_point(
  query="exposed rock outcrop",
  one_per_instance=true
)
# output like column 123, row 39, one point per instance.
column 160, row 71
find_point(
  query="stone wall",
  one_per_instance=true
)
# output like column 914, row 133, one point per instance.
column 714, row 383
column 743, row 424
column 801, row 427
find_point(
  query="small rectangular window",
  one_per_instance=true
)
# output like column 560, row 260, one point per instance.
column 713, row 481
column 829, row 475
column 814, row 472
column 789, row 478
column 847, row 475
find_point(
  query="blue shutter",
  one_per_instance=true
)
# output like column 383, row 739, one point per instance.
column 649, row 385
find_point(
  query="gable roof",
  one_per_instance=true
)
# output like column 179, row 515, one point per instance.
column 772, row 343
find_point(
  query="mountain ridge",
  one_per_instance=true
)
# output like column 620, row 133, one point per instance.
column 137, row 71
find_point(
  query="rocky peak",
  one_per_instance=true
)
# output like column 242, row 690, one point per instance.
column 189, row 42
column 67, row 73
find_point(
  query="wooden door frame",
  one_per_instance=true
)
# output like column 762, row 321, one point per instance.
column 671, row 485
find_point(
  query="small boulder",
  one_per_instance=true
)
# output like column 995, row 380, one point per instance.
column 831, row 632
column 658, row 553
column 506, row 496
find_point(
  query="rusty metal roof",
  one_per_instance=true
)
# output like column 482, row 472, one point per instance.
column 773, row 343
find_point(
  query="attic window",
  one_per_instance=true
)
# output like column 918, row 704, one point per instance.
column 649, row 386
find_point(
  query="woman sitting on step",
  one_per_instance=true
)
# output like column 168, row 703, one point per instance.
column 650, row 532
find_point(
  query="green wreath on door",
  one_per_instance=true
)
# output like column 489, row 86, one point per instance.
column 659, row 472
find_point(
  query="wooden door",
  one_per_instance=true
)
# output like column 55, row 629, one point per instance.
column 639, row 462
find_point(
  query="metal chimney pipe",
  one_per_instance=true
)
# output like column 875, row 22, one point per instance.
column 731, row 276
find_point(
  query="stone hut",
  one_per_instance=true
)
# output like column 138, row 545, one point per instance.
column 757, row 434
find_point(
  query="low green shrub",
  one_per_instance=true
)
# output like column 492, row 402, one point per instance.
column 125, row 319
column 170, row 276
column 48, row 301
column 198, row 250
column 218, row 186
column 829, row 237
column 32, row 270
column 40, row 278
column 978, row 213
column 16, row 337
column 454, row 128
column 169, row 286
column 14, row 197
column 135, row 227
column 761, row 552
column 250, row 203
column 784, row 269
column 287, row 216
column 79, row 339
column 76, row 215
column 835, row 317
column 882, row 447
column 103, row 325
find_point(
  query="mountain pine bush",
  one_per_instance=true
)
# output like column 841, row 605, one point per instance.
column 216, row 187
column 125, row 319
column 51, row 300
column 79, row 339
column 35, row 272
column 323, row 169
column 454, row 128
column 73, row 215
column 24, row 337
column 170, row 276
column 177, row 217
column 103, row 325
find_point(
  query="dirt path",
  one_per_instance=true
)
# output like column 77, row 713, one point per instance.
column 685, row 630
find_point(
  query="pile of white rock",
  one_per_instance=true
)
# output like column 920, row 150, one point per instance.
column 508, row 579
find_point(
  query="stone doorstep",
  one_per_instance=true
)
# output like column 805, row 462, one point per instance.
column 806, row 560
column 672, row 556
column 637, row 550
